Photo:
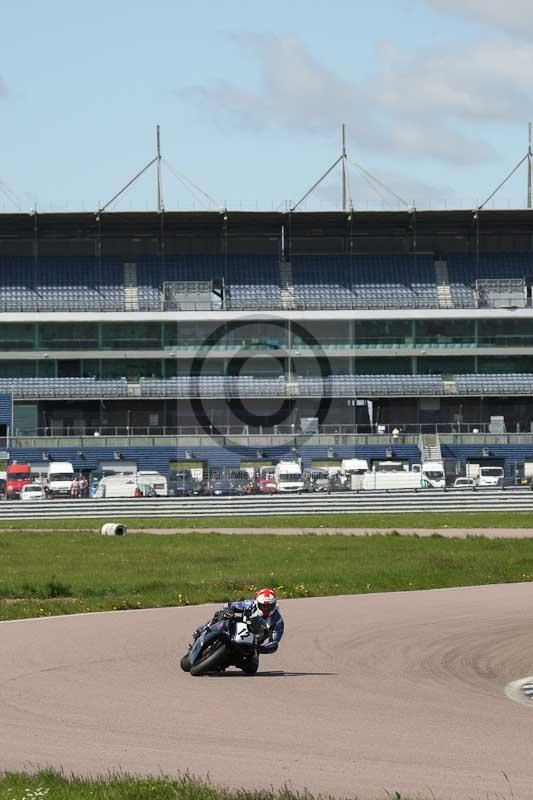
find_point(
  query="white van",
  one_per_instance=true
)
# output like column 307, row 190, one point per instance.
column 433, row 474
column 117, row 486
column 490, row 476
column 289, row 477
column 59, row 478
column 158, row 482
column 354, row 466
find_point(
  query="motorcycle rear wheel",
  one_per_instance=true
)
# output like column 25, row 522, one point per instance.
column 212, row 661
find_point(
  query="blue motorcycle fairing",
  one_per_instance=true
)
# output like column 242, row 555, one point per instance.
column 209, row 634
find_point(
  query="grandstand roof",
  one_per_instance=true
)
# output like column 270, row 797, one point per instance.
column 148, row 223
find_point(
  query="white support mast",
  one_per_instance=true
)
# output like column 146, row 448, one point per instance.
column 343, row 167
column 529, row 154
column 159, row 179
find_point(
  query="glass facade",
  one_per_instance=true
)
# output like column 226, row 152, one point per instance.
column 267, row 335
column 445, row 332
column 505, row 333
column 269, row 348
column 383, row 333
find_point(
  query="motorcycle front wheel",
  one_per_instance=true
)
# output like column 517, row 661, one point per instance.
column 185, row 663
column 249, row 665
column 215, row 659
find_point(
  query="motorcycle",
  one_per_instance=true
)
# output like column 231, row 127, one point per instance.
column 231, row 641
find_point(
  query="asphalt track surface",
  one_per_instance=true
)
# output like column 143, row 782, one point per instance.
column 367, row 694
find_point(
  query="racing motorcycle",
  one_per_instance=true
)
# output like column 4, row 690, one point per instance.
column 232, row 640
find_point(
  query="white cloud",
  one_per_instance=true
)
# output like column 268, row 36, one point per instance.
column 297, row 91
column 487, row 80
column 3, row 88
column 427, row 105
column 510, row 15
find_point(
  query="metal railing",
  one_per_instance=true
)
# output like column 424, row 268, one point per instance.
column 349, row 429
column 329, row 436
column 38, row 305
column 382, row 502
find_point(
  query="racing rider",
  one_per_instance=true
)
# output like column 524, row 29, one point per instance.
column 264, row 605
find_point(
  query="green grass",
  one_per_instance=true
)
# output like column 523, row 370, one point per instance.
column 504, row 519
column 61, row 572
column 54, row 786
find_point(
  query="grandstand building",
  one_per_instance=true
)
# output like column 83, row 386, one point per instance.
column 239, row 337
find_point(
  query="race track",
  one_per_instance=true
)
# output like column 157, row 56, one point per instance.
column 367, row 693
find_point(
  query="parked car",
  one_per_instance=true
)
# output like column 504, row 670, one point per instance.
column 182, row 484
column 317, row 480
column 464, row 483
column 226, row 486
column 32, row 491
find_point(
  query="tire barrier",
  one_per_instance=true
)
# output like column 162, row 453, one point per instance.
column 370, row 502
column 110, row 529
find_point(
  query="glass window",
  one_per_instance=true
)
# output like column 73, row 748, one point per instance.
column 374, row 333
column 257, row 367
column 68, row 336
column 131, row 336
column 17, row 336
column 18, row 369
column 256, row 335
column 131, row 368
column 383, row 366
column 505, row 332
column 328, row 333
column 444, row 332
column 445, row 365
column 486, row 364
column 193, row 335
column 90, row 368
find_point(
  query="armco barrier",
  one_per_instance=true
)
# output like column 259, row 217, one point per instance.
column 519, row 499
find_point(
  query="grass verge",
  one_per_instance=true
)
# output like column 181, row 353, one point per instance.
column 490, row 519
column 62, row 572
column 54, row 786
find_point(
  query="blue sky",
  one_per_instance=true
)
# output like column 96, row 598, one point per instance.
column 250, row 97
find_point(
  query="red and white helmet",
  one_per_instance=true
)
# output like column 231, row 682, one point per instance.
column 266, row 602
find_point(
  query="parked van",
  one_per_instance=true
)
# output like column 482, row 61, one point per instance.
column 158, row 482
column 396, row 475
column 352, row 472
column 122, row 486
column 433, row 474
column 288, row 475
column 354, row 466
column 490, row 476
column 59, row 478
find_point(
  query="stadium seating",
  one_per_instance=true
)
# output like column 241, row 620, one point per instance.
column 364, row 281
column 64, row 387
column 251, row 282
column 361, row 385
column 213, row 386
column 465, row 270
column 507, row 383
column 60, row 285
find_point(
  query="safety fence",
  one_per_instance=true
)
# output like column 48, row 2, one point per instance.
column 389, row 502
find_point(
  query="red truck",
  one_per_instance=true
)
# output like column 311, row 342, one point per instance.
column 17, row 476
column 266, row 482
